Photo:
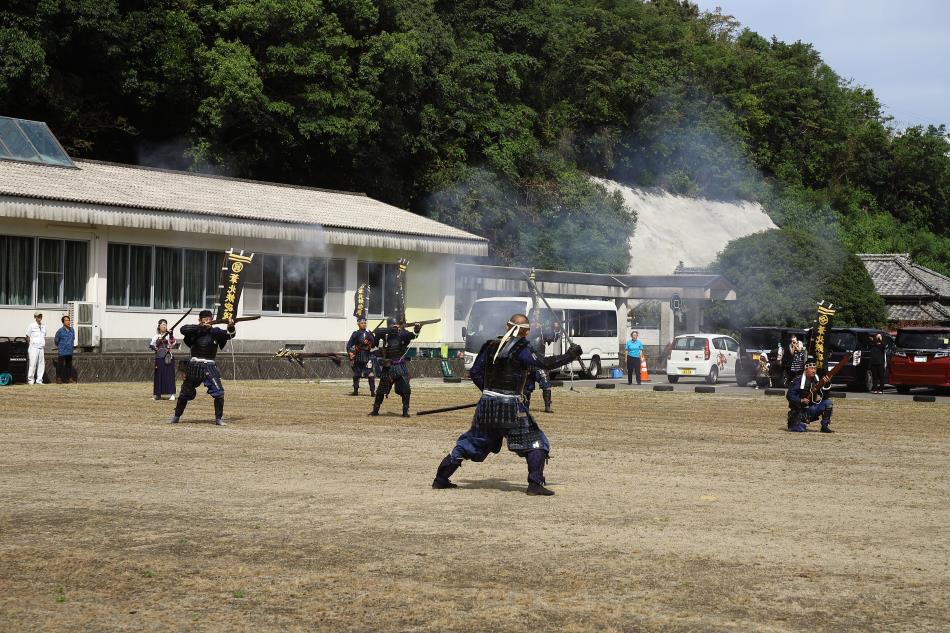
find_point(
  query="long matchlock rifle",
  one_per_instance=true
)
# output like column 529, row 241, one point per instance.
column 814, row 392
column 298, row 357
column 236, row 320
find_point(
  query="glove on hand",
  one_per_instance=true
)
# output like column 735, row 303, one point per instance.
column 575, row 350
column 417, row 328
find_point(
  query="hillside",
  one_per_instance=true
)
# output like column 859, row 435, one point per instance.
column 678, row 229
column 487, row 115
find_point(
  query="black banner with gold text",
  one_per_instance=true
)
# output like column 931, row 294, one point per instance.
column 817, row 345
column 231, row 282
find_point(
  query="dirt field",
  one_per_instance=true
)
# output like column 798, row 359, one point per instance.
column 674, row 512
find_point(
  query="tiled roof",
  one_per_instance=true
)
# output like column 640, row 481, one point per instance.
column 932, row 311
column 134, row 187
column 895, row 276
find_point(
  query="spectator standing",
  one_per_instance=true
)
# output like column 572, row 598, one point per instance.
column 65, row 340
column 795, row 359
column 36, row 335
column 634, row 351
column 762, row 377
column 878, row 364
column 162, row 343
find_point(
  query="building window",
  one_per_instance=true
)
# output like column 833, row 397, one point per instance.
column 295, row 285
column 382, row 282
column 161, row 278
column 59, row 270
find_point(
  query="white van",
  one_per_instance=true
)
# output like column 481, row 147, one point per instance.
column 709, row 356
column 591, row 324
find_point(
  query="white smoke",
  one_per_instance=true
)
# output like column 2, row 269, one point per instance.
column 673, row 229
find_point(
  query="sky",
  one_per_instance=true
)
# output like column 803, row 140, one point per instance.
column 898, row 48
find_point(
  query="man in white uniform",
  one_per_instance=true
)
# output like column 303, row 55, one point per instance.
column 36, row 335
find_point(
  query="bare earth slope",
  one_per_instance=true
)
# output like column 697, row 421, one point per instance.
column 674, row 512
column 672, row 229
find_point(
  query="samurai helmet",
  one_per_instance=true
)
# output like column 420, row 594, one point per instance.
column 391, row 321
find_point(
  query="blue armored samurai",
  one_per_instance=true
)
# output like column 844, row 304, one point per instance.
column 204, row 340
column 541, row 334
column 808, row 400
column 360, row 350
column 393, row 342
column 501, row 370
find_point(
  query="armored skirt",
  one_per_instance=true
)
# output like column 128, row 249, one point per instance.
column 500, row 415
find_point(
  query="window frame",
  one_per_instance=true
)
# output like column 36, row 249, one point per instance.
column 34, row 301
column 382, row 290
column 328, row 289
column 182, row 250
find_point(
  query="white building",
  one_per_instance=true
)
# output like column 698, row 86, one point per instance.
column 142, row 244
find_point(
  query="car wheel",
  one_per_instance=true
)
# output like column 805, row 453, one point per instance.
column 868, row 383
column 713, row 376
column 672, row 379
column 742, row 380
column 904, row 389
column 593, row 367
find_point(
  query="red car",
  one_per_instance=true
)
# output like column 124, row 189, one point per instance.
column 922, row 358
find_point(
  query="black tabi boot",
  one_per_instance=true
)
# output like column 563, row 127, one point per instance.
column 536, row 459
column 405, row 406
column 356, row 386
column 372, row 386
column 446, row 469
column 219, row 411
column 546, row 394
column 377, row 403
column 825, row 421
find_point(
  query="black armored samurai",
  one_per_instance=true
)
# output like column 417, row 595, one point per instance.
column 393, row 342
column 204, row 340
column 501, row 370
column 360, row 350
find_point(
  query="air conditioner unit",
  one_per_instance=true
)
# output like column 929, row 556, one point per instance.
column 81, row 314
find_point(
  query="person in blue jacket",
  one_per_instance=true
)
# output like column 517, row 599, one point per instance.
column 65, row 340
column 360, row 350
column 501, row 370
column 802, row 408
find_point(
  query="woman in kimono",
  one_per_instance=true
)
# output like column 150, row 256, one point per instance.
column 161, row 344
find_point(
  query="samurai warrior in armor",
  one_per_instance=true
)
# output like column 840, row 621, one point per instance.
column 204, row 340
column 393, row 342
column 360, row 349
column 501, row 370
column 802, row 406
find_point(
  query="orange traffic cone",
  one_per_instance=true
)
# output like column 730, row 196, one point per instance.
column 644, row 376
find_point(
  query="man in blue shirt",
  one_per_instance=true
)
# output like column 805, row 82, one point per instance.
column 65, row 340
column 634, row 351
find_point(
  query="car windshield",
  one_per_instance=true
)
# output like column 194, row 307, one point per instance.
column 841, row 341
column 488, row 318
column 760, row 339
column 689, row 343
column 924, row 340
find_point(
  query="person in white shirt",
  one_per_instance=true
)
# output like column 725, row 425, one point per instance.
column 36, row 335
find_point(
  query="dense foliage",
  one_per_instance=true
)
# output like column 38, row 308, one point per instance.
column 780, row 275
column 486, row 115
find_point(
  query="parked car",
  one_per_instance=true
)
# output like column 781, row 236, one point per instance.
column 773, row 341
column 856, row 341
column 921, row 358
column 708, row 355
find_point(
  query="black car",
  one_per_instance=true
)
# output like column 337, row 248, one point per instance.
column 773, row 341
column 856, row 341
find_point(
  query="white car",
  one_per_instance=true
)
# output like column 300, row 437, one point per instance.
column 711, row 356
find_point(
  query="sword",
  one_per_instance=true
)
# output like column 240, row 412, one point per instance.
column 178, row 322
column 444, row 409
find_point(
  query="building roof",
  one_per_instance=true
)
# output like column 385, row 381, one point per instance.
column 895, row 276
column 562, row 282
column 932, row 311
column 252, row 208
